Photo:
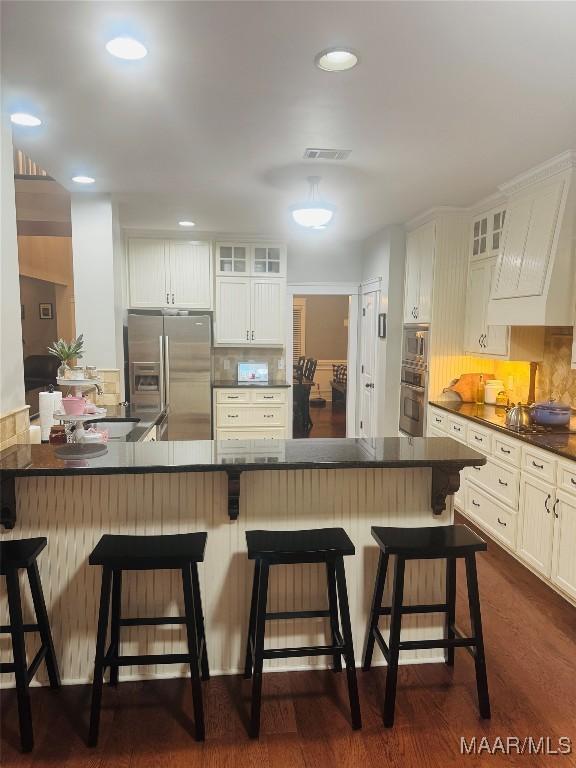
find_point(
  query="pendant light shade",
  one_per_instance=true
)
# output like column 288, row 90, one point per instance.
column 314, row 213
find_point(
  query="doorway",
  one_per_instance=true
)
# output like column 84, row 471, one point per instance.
column 322, row 350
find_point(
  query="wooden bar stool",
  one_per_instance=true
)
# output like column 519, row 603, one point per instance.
column 441, row 542
column 14, row 556
column 121, row 553
column 323, row 545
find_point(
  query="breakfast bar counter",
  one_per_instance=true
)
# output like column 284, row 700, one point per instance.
column 225, row 488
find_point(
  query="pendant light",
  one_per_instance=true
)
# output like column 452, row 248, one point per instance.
column 314, row 213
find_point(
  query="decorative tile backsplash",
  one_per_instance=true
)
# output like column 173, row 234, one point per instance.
column 14, row 426
column 231, row 356
column 555, row 377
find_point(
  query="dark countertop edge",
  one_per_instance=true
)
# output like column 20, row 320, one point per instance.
column 249, row 467
column 534, row 440
column 235, row 385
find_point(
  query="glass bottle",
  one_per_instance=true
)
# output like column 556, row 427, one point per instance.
column 480, row 390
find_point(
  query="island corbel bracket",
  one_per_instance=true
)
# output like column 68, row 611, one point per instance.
column 233, row 493
column 445, row 482
column 8, row 501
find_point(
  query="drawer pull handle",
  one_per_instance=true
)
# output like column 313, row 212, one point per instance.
column 503, row 483
column 546, row 503
column 232, row 397
column 479, row 439
column 538, row 466
column 457, row 429
column 554, row 508
column 476, row 504
column 268, row 397
column 478, row 469
column 437, row 420
column 501, row 522
column 268, row 415
column 573, row 481
column 231, row 415
column 505, row 450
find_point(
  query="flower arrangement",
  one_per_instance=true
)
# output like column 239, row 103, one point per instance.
column 66, row 352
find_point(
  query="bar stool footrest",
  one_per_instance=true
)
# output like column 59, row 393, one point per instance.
column 152, row 621
column 111, row 660
column 312, row 650
column 5, row 629
column 407, row 609
column 320, row 614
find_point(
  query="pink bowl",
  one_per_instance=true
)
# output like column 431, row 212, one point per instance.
column 73, row 406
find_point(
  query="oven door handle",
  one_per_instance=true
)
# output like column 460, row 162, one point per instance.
column 413, row 387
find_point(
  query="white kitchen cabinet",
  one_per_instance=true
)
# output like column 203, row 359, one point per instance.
column 564, row 545
column 147, row 273
column 250, row 311
column 420, row 250
column 170, row 273
column 190, row 271
column 487, row 234
column 481, row 338
column 536, row 523
column 261, row 259
column 268, row 309
column 232, row 311
column 246, row 414
column 527, row 241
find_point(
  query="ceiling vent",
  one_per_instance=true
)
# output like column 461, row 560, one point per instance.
column 326, row 154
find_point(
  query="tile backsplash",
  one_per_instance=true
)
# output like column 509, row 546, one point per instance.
column 231, row 356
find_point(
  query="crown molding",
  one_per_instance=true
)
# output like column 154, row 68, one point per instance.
column 566, row 161
column 433, row 213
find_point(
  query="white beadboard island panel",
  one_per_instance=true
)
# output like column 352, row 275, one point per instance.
column 73, row 512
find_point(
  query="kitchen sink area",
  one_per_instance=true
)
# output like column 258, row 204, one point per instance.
column 118, row 428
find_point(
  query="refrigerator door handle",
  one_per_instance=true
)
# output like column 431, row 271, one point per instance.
column 162, row 393
column 167, row 369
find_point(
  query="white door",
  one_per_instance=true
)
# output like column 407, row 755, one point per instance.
column 496, row 341
column 536, row 524
column 563, row 559
column 232, row 311
column 268, row 311
column 475, row 308
column 515, row 233
column 367, row 362
column 426, row 247
column 147, row 273
column 190, row 274
column 412, row 277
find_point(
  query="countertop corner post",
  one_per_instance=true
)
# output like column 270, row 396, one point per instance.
column 445, row 481
column 8, row 500
column 233, row 493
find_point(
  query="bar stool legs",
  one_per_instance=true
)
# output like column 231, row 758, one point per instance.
column 20, row 663
column 100, row 655
column 375, row 610
column 394, row 642
column 476, row 625
column 258, row 656
column 333, row 608
column 451, row 607
column 190, row 611
column 348, row 645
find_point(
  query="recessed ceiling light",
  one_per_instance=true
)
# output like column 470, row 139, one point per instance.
column 187, row 223
column 83, row 179
column 336, row 59
column 23, row 118
column 126, row 48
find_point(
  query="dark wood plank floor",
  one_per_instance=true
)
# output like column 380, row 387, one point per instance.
column 327, row 423
column 531, row 644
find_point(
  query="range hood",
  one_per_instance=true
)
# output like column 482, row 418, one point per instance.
column 534, row 282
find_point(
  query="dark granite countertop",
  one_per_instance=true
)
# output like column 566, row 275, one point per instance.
column 206, row 456
column 147, row 418
column 248, row 385
column 561, row 443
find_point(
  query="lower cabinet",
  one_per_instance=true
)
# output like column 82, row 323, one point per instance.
column 536, row 523
column 490, row 515
column 250, row 414
column 564, row 543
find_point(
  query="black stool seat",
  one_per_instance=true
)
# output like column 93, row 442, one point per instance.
column 119, row 553
column 434, row 542
column 318, row 545
column 20, row 553
column 447, row 542
column 316, row 541
column 149, row 552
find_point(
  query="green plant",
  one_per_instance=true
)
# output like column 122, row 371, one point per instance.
column 66, row 351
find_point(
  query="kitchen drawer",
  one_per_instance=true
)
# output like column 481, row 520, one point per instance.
column 507, row 449
column 458, row 429
column 492, row 516
column 438, row 419
column 433, row 432
column 232, row 396
column 499, row 480
column 269, row 396
column 539, row 464
column 250, row 416
column 480, row 438
column 567, row 476
column 250, row 434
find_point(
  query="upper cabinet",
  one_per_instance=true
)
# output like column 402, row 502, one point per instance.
column 420, row 250
column 251, row 260
column 487, row 234
column 534, row 280
column 250, row 294
column 169, row 273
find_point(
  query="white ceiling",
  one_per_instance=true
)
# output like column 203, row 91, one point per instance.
column 449, row 99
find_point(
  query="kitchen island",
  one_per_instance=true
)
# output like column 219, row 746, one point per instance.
column 225, row 489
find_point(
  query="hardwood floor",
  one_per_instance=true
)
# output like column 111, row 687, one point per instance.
column 327, row 423
column 530, row 635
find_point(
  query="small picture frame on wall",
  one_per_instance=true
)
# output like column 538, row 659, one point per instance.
column 46, row 311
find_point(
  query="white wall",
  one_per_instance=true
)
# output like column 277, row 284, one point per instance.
column 384, row 257
column 94, row 278
column 321, row 260
column 11, row 366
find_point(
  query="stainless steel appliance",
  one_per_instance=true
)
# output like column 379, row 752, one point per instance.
column 414, row 380
column 169, row 366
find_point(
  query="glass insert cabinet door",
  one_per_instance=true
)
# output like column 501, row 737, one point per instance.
column 267, row 260
column 233, row 259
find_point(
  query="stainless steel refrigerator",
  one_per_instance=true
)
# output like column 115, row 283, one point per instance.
column 169, row 366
